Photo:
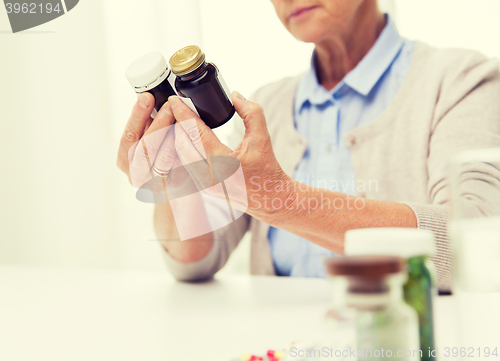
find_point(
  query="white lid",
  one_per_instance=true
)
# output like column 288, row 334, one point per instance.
column 146, row 69
column 402, row 242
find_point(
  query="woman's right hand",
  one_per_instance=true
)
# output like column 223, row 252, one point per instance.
column 146, row 142
column 174, row 150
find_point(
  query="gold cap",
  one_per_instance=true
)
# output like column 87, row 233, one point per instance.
column 187, row 60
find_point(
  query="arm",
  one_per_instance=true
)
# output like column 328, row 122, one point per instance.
column 187, row 251
column 322, row 216
column 222, row 243
column 467, row 116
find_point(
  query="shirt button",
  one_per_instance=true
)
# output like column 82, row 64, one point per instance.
column 328, row 148
column 352, row 140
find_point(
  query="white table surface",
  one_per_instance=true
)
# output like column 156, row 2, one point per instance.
column 81, row 314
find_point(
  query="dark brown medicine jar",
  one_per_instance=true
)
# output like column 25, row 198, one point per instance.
column 150, row 73
column 201, row 86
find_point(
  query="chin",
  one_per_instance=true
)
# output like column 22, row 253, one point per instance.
column 306, row 34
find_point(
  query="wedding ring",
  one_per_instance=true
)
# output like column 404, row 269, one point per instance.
column 160, row 172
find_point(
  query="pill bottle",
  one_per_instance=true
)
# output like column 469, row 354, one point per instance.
column 201, row 83
column 150, row 73
column 414, row 245
column 368, row 296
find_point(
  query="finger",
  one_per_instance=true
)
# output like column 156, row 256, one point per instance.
column 181, row 111
column 166, row 156
column 140, row 166
column 188, row 142
column 134, row 129
column 163, row 119
column 155, row 135
column 142, row 155
column 251, row 113
column 192, row 161
column 148, row 124
column 203, row 138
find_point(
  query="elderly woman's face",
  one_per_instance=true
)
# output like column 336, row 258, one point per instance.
column 312, row 20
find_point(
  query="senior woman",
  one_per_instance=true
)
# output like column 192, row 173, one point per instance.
column 360, row 140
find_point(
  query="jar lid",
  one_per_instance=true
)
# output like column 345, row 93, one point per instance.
column 402, row 242
column 146, row 70
column 186, row 60
column 365, row 266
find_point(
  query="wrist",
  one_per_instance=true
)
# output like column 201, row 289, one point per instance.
column 272, row 200
column 290, row 198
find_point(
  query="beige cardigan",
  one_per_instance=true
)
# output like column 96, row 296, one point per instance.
column 448, row 102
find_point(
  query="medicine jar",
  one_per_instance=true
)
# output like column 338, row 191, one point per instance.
column 201, row 83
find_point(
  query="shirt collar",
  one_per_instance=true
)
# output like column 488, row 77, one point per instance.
column 362, row 78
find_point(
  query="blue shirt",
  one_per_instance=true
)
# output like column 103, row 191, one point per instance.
column 323, row 117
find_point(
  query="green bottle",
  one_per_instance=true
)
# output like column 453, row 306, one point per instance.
column 415, row 245
column 418, row 294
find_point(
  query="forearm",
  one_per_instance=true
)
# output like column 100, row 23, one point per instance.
column 186, row 251
column 322, row 216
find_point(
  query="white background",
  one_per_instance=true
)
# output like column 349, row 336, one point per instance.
column 64, row 101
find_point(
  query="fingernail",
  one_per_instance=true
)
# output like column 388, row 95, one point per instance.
column 144, row 100
column 173, row 101
column 238, row 95
column 166, row 108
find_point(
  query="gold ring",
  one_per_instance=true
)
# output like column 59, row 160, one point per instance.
column 159, row 172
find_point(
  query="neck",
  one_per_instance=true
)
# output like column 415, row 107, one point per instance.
column 339, row 53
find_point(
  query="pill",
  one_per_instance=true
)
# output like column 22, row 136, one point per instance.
column 245, row 357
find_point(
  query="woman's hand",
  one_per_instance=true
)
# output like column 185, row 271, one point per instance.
column 139, row 149
column 254, row 153
column 194, row 160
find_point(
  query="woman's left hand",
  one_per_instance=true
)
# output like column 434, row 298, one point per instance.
column 254, row 153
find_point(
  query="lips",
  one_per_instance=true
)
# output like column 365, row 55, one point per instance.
column 301, row 11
